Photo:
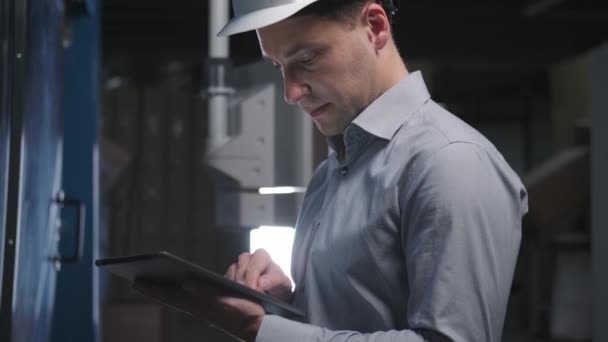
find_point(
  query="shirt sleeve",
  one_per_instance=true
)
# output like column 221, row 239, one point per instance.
column 275, row 329
column 461, row 229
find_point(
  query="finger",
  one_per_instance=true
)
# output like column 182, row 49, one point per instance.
column 241, row 268
column 273, row 282
column 259, row 264
column 241, row 306
column 231, row 273
column 276, row 284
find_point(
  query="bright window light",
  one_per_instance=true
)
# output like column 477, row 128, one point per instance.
column 277, row 241
column 280, row 190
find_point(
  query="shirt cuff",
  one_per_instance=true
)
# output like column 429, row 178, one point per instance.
column 279, row 329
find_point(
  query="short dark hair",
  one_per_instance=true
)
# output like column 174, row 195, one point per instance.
column 345, row 10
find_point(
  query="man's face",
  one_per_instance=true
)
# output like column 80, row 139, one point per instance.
column 327, row 67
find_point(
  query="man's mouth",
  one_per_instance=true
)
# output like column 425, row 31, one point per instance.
column 319, row 110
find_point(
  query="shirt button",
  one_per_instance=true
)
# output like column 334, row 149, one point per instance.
column 344, row 170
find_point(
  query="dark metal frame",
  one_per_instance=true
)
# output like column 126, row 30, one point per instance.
column 599, row 193
column 17, row 57
column 4, row 69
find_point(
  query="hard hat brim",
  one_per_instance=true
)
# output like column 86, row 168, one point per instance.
column 262, row 18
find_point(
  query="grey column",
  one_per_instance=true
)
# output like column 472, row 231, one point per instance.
column 599, row 193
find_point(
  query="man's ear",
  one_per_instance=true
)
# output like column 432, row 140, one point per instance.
column 376, row 20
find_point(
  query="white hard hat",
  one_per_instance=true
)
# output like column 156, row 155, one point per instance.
column 254, row 14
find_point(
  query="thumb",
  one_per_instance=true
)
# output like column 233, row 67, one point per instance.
column 276, row 285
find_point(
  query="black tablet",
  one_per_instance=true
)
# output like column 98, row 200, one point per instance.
column 165, row 267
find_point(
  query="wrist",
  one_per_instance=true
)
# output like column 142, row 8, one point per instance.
column 253, row 328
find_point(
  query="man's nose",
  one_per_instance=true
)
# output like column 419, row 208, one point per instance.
column 295, row 89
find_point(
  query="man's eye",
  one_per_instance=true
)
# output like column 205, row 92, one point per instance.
column 308, row 60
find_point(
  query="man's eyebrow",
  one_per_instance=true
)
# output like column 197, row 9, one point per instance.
column 297, row 48
column 293, row 51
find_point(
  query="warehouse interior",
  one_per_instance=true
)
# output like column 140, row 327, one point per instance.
column 111, row 144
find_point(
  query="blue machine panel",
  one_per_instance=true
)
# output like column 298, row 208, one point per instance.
column 34, row 179
column 4, row 120
column 41, row 172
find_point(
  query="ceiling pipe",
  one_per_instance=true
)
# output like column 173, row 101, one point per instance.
column 218, row 62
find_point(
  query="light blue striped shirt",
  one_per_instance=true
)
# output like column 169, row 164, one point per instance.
column 410, row 233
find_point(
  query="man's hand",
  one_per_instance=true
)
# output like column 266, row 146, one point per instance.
column 238, row 317
column 259, row 272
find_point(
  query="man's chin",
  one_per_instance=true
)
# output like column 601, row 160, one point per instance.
column 328, row 130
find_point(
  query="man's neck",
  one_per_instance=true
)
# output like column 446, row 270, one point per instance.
column 391, row 69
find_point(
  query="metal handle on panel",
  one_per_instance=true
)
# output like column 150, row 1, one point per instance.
column 80, row 218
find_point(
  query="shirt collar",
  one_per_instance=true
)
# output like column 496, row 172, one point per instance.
column 383, row 117
column 388, row 113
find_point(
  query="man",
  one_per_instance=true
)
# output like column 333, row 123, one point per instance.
column 410, row 230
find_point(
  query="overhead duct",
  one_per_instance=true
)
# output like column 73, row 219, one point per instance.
column 218, row 62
